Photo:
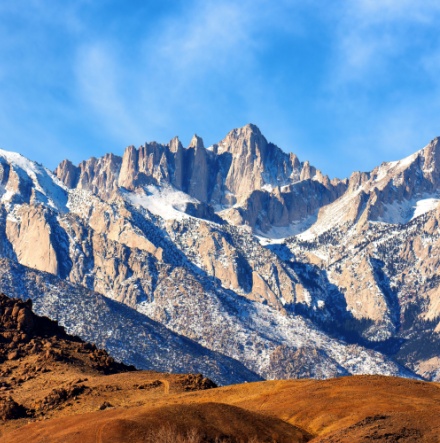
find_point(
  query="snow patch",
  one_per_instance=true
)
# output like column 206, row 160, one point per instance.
column 424, row 206
column 405, row 162
column 165, row 201
column 330, row 216
column 267, row 187
column 277, row 234
column 405, row 211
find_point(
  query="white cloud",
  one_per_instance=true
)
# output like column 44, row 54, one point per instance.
column 371, row 35
column 211, row 35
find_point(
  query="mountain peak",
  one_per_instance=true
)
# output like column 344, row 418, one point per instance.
column 246, row 131
column 175, row 144
column 253, row 128
column 196, row 142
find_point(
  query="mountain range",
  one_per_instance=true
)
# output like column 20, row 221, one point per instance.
column 236, row 260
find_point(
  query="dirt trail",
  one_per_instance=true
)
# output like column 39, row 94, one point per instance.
column 166, row 386
column 99, row 433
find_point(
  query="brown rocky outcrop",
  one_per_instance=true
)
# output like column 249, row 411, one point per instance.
column 194, row 382
column 11, row 410
column 23, row 333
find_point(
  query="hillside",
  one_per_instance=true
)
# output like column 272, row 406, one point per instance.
column 56, row 387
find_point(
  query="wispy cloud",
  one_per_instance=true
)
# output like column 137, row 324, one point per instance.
column 383, row 78
column 184, row 67
column 211, row 35
column 100, row 83
column 373, row 11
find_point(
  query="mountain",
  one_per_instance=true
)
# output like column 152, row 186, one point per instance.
column 56, row 387
column 377, row 250
column 244, row 179
column 240, row 248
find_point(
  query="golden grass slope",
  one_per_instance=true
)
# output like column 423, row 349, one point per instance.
column 349, row 409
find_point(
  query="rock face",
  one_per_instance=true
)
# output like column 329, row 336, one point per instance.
column 97, row 175
column 33, row 229
column 244, row 175
column 171, row 233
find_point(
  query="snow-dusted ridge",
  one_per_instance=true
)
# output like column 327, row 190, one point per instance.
column 47, row 188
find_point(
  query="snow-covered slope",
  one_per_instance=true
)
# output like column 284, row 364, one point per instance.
column 393, row 193
column 164, row 201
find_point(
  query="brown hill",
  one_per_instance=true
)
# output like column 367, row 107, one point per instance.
column 24, row 334
column 349, row 409
column 56, row 388
column 45, row 373
column 191, row 423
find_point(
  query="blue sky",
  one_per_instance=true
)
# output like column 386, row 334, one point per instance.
column 345, row 84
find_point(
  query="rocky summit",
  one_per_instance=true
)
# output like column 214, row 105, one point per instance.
column 236, row 260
